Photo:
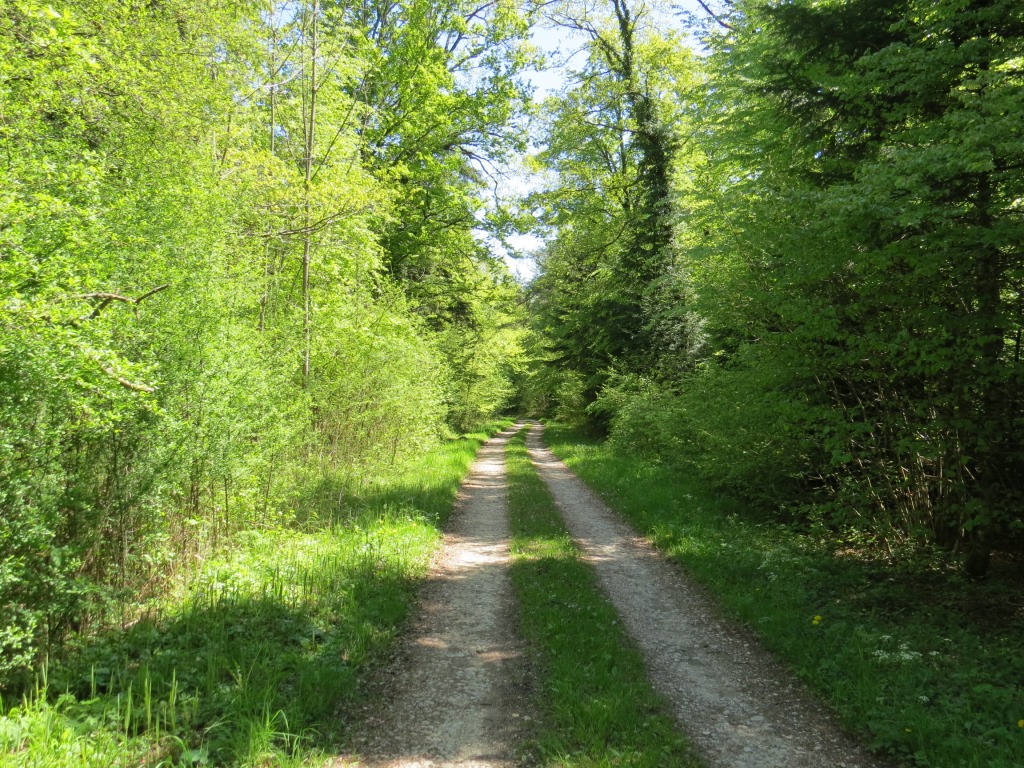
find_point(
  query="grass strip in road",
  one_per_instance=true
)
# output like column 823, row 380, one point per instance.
column 925, row 664
column 258, row 659
column 597, row 707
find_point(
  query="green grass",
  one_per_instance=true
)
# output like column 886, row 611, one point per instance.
column 597, row 708
column 923, row 664
column 256, row 661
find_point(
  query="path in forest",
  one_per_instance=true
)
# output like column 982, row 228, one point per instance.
column 737, row 705
column 457, row 692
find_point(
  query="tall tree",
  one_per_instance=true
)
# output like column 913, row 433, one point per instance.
column 197, row 325
column 611, row 138
column 864, row 233
column 443, row 90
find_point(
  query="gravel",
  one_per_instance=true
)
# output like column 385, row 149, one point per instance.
column 457, row 692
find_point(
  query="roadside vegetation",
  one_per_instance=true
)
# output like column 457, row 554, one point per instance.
column 922, row 662
column 792, row 263
column 224, row 294
column 782, row 278
column 256, row 657
column 596, row 706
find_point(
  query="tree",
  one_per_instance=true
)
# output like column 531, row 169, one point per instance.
column 198, row 328
column 442, row 89
column 610, row 140
column 860, row 230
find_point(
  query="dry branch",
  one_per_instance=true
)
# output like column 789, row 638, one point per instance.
column 107, row 298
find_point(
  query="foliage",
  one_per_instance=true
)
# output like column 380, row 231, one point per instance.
column 865, row 213
column 258, row 657
column 754, row 453
column 609, row 139
column 839, row 315
column 200, row 326
column 485, row 354
column 95, row 224
column 444, row 87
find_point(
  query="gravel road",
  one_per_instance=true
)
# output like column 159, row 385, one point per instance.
column 737, row 705
column 457, row 693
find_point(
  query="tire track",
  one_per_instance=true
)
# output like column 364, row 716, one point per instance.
column 455, row 695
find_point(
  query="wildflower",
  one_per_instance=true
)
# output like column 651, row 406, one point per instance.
column 816, row 620
column 904, row 654
column 1020, row 723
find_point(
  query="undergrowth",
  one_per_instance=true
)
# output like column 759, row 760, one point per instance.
column 924, row 664
column 256, row 660
column 598, row 708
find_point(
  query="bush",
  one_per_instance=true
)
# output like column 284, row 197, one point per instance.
column 735, row 426
column 646, row 419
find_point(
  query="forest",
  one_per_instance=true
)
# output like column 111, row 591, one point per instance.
column 794, row 267
column 252, row 290
column 238, row 272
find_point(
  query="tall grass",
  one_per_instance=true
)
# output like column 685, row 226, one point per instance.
column 257, row 659
column 925, row 665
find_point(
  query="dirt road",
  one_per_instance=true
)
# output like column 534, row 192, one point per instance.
column 456, row 694
column 737, row 705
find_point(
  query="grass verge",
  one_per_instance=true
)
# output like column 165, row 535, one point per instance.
column 926, row 665
column 598, row 708
column 258, row 658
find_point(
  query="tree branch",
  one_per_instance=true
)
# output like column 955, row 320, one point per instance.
column 152, row 291
column 714, row 15
column 135, row 387
column 106, row 298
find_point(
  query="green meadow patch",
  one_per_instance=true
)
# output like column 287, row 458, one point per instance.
column 922, row 663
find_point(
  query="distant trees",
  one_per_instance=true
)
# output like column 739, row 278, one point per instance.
column 203, row 317
column 844, row 337
column 610, row 138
